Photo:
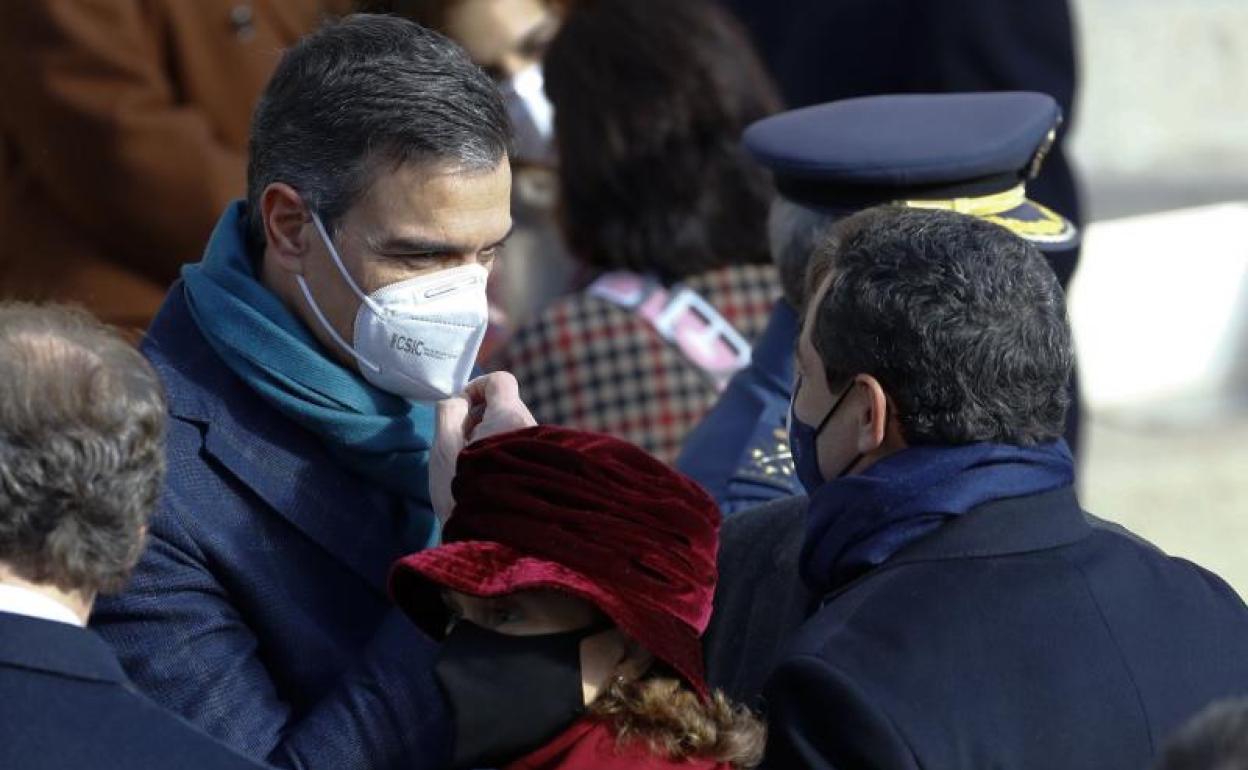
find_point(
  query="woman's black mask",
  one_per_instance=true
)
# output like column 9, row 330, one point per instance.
column 509, row 695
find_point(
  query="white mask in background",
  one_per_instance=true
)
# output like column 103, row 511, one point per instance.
column 532, row 116
column 416, row 338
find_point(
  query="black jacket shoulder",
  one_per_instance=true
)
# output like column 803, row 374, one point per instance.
column 65, row 703
column 1025, row 635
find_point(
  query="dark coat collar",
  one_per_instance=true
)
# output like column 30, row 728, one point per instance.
column 57, row 648
column 1000, row 528
column 281, row 462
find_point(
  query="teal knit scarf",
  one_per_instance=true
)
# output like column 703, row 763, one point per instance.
column 381, row 436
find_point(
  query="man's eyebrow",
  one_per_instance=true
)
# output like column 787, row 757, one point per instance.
column 407, row 245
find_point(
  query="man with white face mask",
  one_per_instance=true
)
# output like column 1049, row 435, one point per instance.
column 508, row 39
column 301, row 358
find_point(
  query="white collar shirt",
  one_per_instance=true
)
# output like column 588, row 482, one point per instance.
column 32, row 604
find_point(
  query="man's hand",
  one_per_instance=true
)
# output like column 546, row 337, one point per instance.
column 490, row 405
column 495, row 407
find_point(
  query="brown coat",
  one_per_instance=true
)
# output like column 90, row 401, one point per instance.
column 123, row 135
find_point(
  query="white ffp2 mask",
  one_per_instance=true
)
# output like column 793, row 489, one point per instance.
column 416, row 338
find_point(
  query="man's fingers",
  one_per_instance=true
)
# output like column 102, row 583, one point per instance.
column 451, row 417
column 495, row 406
column 495, row 387
column 502, row 387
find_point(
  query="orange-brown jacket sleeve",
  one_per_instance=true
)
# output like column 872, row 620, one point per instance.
column 97, row 117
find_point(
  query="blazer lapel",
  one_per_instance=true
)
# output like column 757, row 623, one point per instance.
column 283, row 464
column 328, row 504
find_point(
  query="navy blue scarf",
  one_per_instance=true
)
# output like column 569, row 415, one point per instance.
column 857, row 522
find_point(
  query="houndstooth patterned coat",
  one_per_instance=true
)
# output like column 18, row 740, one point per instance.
column 589, row 364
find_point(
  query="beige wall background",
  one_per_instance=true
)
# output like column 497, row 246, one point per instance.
column 1160, row 305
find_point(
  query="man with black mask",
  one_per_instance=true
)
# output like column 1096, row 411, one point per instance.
column 970, row 613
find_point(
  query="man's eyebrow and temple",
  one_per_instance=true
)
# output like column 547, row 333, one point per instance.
column 414, row 245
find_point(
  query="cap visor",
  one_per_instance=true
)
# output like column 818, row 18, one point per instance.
column 1040, row 225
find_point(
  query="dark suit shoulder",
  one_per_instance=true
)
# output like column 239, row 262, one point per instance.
column 1113, row 642
column 48, row 721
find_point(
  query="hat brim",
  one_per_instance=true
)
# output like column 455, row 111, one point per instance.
column 486, row 569
column 1042, row 226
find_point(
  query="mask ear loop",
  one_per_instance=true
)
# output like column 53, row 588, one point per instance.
column 316, row 309
column 848, row 466
column 824, row 423
column 381, row 312
column 333, row 253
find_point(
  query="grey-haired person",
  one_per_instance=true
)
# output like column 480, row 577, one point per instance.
column 82, row 427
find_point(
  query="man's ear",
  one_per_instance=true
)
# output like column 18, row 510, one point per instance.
column 285, row 218
column 874, row 418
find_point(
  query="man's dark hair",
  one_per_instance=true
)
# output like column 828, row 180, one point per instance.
column 82, row 418
column 364, row 94
column 962, row 322
column 651, row 98
column 1214, row 739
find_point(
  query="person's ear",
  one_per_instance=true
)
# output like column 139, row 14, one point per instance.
column 285, row 219
column 634, row 661
column 873, row 415
column 609, row 656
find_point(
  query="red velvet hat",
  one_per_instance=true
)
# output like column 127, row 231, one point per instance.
column 581, row 513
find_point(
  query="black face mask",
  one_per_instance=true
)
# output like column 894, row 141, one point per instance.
column 509, row 695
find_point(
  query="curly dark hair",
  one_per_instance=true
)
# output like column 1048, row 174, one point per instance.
column 962, row 322
column 651, row 98
column 82, row 421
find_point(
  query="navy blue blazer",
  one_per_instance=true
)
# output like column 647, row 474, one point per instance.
column 65, row 703
column 740, row 450
column 259, row 610
column 1023, row 634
